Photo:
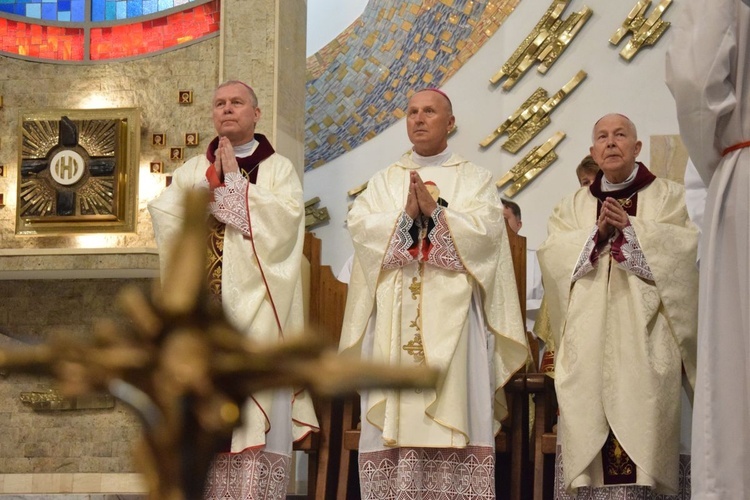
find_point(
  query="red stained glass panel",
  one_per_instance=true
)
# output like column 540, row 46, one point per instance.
column 41, row 42
column 37, row 41
column 156, row 35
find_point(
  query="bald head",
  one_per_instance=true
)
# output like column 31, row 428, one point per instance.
column 439, row 92
column 629, row 123
column 429, row 119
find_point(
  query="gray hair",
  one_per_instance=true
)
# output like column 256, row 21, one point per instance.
column 253, row 97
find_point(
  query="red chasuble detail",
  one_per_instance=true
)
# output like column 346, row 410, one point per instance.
column 617, row 466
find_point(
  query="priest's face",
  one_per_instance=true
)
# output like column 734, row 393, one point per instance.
column 616, row 146
column 429, row 118
column 235, row 113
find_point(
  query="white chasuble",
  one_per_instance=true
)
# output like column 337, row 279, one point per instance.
column 271, row 419
column 709, row 76
column 452, row 306
column 622, row 340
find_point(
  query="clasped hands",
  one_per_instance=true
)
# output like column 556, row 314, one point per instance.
column 225, row 161
column 419, row 200
column 612, row 216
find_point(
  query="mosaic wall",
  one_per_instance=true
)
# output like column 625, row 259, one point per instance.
column 32, row 39
column 359, row 84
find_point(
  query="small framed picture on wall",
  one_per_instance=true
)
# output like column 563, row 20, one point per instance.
column 175, row 154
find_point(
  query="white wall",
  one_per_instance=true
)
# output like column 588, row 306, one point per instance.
column 635, row 89
column 328, row 18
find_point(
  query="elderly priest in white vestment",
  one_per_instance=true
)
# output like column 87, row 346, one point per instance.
column 708, row 72
column 254, row 247
column 621, row 283
column 432, row 283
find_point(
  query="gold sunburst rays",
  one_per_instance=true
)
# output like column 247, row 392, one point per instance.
column 97, row 137
column 96, row 197
column 39, row 137
column 38, row 198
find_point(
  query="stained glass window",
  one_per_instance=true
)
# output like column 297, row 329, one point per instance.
column 58, row 29
column 75, row 10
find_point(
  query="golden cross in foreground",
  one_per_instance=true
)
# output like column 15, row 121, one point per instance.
column 187, row 372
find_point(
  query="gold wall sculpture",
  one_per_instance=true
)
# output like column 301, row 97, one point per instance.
column 314, row 216
column 48, row 399
column 645, row 31
column 531, row 117
column 79, row 171
column 530, row 166
column 546, row 42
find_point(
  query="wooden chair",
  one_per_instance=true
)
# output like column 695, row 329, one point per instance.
column 512, row 444
column 326, row 302
column 545, row 438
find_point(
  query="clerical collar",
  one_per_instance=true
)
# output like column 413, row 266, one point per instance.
column 610, row 186
column 430, row 161
column 245, row 150
column 625, row 192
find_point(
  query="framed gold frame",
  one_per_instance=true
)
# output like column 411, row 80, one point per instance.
column 176, row 153
column 191, row 139
column 78, row 171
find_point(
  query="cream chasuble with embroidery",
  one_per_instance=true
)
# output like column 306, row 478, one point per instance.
column 459, row 299
column 622, row 339
column 276, row 215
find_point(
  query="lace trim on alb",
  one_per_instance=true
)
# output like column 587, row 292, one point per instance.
column 398, row 254
column 443, row 252
column 632, row 253
column 230, row 202
column 585, row 262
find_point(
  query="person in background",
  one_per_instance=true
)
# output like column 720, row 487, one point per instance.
column 586, row 171
column 620, row 283
column 432, row 284
column 256, row 225
column 534, row 290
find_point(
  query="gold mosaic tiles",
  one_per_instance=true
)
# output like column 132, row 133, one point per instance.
column 360, row 83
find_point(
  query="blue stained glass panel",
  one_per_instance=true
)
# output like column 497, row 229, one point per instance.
column 34, row 10
column 49, row 11
column 135, row 8
column 110, row 12
column 98, row 12
column 75, row 10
